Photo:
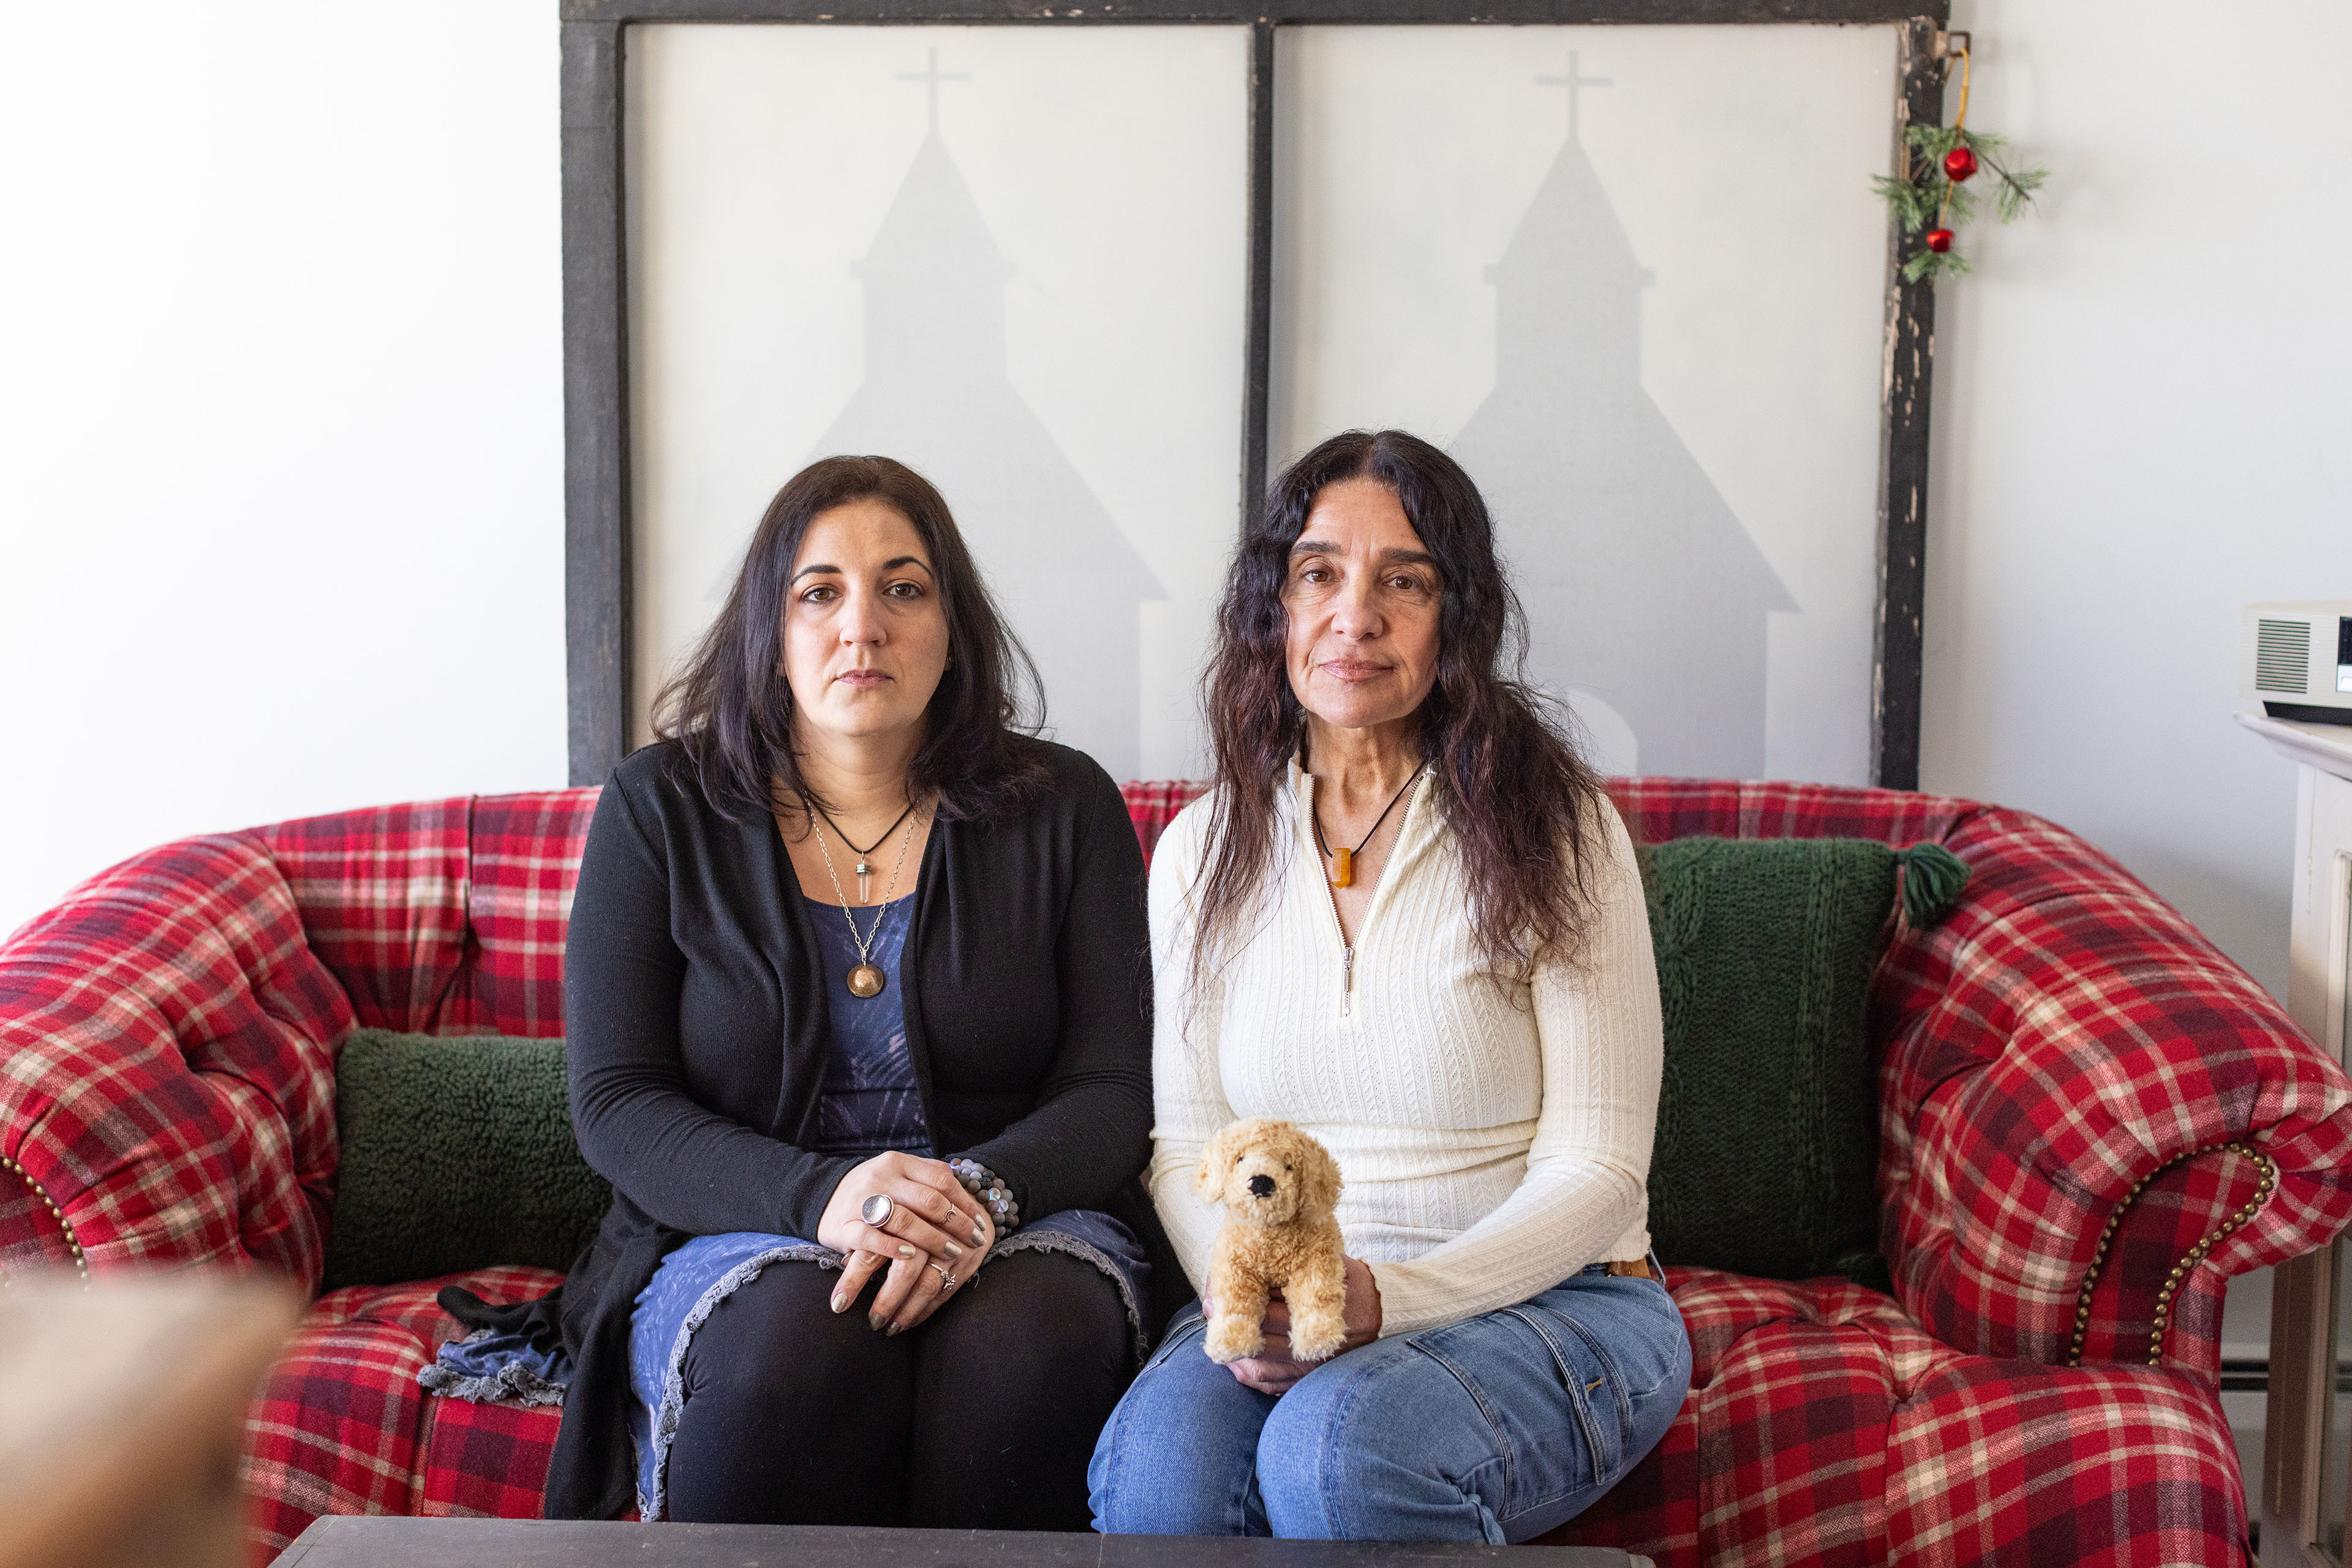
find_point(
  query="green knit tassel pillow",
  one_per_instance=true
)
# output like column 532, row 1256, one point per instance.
column 1767, row 1119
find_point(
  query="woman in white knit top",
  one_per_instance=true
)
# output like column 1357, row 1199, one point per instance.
column 1408, row 919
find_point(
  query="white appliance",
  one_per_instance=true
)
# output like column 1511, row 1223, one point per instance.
column 2295, row 659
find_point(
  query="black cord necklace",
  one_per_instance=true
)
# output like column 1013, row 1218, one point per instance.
column 864, row 865
column 1343, row 861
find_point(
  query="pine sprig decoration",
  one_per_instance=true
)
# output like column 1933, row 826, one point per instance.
column 1925, row 197
column 1913, row 201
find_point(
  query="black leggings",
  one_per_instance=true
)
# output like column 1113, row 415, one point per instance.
column 984, row 1417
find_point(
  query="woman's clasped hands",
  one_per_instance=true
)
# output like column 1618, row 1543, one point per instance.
column 1274, row 1369
column 932, row 1236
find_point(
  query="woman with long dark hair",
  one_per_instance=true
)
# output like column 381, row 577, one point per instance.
column 1407, row 918
column 858, row 1021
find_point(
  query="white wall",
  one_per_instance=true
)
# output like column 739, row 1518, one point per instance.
column 2142, row 423
column 280, row 419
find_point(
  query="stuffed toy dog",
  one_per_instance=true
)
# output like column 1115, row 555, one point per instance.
column 1279, row 1187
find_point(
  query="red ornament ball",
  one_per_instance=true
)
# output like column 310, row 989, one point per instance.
column 1959, row 163
column 1939, row 240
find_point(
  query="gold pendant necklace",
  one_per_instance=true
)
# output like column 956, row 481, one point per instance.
column 865, row 977
column 1343, row 859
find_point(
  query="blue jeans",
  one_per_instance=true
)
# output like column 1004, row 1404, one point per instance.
column 1497, row 1428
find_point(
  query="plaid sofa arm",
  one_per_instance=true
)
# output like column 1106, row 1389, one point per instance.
column 168, row 1032
column 166, row 1070
column 2091, row 1118
column 2066, row 1067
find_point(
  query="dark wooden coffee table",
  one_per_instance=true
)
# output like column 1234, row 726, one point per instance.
column 347, row 1542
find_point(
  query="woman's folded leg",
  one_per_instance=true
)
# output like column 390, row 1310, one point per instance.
column 1497, row 1428
column 1179, row 1456
column 1017, row 1376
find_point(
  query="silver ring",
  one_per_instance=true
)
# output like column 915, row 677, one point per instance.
column 947, row 1280
column 876, row 1211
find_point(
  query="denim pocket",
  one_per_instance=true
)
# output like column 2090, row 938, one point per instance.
column 1591, row 1380
column 1635, row 1318
column 1187, row 1325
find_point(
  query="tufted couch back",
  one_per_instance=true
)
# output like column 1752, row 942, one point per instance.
column 168, row 1034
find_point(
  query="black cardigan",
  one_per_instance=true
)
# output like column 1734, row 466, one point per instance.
column 694, row 1005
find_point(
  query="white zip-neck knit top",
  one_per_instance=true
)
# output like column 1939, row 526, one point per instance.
column 1491, row 1144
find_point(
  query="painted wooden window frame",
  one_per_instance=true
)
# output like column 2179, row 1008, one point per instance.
column 598, row 634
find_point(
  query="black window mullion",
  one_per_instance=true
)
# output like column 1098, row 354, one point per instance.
column 1257, row 349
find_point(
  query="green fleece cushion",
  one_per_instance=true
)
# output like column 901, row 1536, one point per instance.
column 1767, row 1119
column 456, row 1154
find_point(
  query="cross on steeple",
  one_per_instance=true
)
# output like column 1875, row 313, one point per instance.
column 1573, row 80
column 934, row 76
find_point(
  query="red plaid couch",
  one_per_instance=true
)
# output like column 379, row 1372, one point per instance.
column 2091, row 1121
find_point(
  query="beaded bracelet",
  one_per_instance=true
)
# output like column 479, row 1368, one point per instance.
column 990, row 1189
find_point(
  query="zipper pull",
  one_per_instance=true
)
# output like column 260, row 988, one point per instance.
column 1347, row 975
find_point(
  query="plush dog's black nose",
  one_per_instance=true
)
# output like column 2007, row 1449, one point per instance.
column 1261, row 1186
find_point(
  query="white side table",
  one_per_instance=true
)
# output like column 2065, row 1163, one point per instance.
column 2306, row 1482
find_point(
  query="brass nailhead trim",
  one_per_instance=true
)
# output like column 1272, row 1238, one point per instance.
column 2195, row 1256
column 81, row 1263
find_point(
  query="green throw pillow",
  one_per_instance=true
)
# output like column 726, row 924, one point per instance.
column 456, row 1154
column 1767, row 1119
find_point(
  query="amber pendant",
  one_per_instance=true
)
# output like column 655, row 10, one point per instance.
column 866, row 980
column 1343, row 868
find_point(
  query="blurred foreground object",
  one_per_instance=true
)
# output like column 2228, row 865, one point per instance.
column 121, row 1405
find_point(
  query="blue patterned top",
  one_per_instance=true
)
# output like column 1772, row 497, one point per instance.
column 870, row 1100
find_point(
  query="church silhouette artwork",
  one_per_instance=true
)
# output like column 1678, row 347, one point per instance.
column 938, row 397
column 1642, row 587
